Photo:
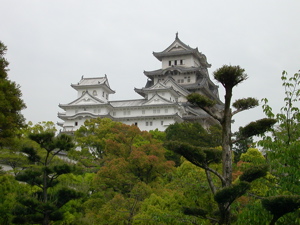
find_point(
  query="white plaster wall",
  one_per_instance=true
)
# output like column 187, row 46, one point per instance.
column 186, row 61
column 91, row 90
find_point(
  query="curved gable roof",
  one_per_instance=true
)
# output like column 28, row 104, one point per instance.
column 180, row 48
column 93, row 82
column 87, row 98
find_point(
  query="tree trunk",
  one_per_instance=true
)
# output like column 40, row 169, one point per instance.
column 224, row 214
column 226, row 139
column 45, row 198
column 226, row 155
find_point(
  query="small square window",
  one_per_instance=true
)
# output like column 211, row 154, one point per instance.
column 147, row 123
column 150, row 123
column 170, row 63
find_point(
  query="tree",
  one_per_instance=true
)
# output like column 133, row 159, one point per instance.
column 11, row 103
column 91, row 139
column 241, row 146
column 9, row 190
column 229, row 77
column 132, row 164
column 282, row 148
column 44, row 203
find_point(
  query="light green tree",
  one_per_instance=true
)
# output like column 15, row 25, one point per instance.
column 282, row 148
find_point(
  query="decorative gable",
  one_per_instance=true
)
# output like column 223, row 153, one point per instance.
column 158, row 85
column 157, row 100
column 86, row 99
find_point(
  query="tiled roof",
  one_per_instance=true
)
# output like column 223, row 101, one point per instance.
column 182, row 69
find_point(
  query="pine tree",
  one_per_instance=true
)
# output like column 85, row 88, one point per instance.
column 229, row 77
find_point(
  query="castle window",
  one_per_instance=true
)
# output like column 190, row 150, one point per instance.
column 126, row 112
column 95, row 93
column 181, row 62
column 76, row 123
column 147, row 123
column 175, row 62
column 170, row 63
column 107, row 96
column 103, row 94
column 161, row 122
column 188, row 79
column 150, row 123
column 135, row 123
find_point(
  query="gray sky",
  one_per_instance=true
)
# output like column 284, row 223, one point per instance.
column 52, row 43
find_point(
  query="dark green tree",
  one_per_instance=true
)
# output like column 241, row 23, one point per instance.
column 194, row 134
column 43, row 204
column 241, row 146
column 11, row 103
column 229, row 77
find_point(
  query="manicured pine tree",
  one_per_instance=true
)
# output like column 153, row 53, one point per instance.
column 43, row 204
column 229, row 77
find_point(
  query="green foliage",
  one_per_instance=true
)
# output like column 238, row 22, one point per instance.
column 253, row 156
column 241, row 144
column 230, row 76
column 229, row 194
column 195, row 212
column 164, row 208
column 194, row 154
column 198, row 156
column 13, row 159
column 11, row 103
column 245, row 103
column 281, row 205
column 194, row 134
column 289, row 116
column 93, row 136
column 200, row 100
column 254, row 173
column 9, row 189
column 42, row 206
column 258, row 127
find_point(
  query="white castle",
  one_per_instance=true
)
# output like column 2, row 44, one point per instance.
column 163, row 102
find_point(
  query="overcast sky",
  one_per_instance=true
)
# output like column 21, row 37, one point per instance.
column 52, row 43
